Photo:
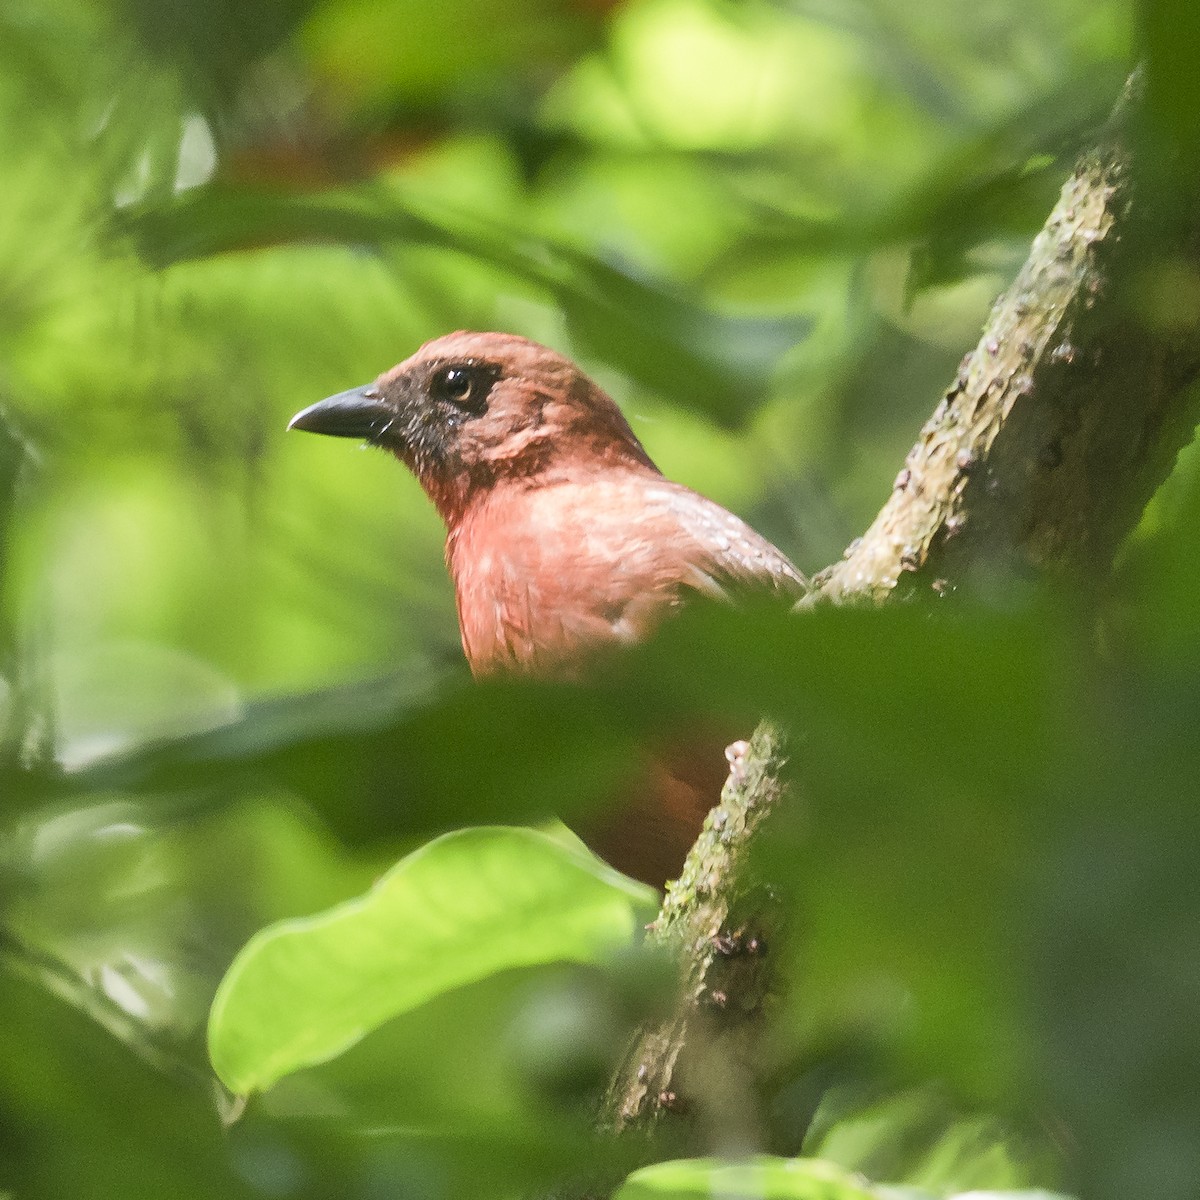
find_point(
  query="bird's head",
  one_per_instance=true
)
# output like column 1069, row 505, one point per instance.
column 470, row 410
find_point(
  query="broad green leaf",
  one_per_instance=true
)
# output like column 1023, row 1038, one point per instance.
column 767, row 1178
column 463, row 907
column 1024, row 1194
column 763, row 1178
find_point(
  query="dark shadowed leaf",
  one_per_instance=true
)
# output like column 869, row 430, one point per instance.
column 82, row 1116
column 656, row 333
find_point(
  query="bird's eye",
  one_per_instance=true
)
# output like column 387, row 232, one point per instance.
column 455, row 384
column 464, row 385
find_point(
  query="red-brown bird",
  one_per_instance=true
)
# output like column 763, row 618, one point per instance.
column 563, row 539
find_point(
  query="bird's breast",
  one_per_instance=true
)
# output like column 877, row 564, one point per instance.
column 546, row 579
column 548, row 576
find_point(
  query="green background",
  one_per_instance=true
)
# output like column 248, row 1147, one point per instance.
column 232, row 692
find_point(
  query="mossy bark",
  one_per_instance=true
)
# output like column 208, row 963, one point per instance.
column 1035, row 465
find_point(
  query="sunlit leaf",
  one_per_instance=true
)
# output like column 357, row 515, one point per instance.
column 465, row 906
column 762, row 1178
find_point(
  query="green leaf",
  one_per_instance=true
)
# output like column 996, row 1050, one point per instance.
column 763, row 1178
column 463, row 907
column 767, row 1178
column 1023, row 1194
column 661, row 334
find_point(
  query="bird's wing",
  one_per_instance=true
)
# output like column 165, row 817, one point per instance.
column 547, row 577
column 726, row 559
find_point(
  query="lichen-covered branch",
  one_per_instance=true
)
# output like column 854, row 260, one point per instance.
column 1036, row 464
column 717, row 925
column 1068, row 414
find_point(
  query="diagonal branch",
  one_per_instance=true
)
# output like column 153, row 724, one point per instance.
column 1068, row 414
column 1035, row 465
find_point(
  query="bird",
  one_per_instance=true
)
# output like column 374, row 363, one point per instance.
column 564, row 543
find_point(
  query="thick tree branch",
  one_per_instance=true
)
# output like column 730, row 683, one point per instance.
column 711, row 921
column 1067, row 415
column 1036, row 463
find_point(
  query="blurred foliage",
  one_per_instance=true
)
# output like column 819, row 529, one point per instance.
column 231, row 693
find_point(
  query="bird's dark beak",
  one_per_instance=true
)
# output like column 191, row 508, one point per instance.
column 359, row 413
